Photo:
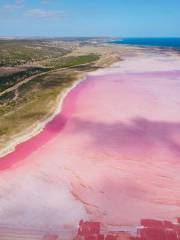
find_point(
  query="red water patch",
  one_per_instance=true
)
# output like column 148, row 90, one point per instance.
column 150, row 229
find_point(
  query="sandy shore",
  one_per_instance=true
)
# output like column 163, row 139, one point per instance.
column 38, row 127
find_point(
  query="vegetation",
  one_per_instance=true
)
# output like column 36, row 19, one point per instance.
column 73, row 61
column 6, row 98
column 35, row 102
column 10, row 79
column 14, row 52
column 28, row 92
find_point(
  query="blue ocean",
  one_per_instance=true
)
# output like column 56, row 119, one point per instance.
column 159, row 42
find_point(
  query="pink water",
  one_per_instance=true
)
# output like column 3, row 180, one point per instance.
column 112, row 154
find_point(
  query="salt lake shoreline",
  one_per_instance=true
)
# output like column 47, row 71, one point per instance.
column 36, row 129
column 40, row 126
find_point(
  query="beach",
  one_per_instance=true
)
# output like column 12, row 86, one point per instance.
column 111, row 154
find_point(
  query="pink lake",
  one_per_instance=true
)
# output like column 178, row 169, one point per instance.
column 112, row 154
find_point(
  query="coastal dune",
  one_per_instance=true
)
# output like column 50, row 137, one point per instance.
column 112, row 154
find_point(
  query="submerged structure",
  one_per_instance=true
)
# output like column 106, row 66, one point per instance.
column 149, row 229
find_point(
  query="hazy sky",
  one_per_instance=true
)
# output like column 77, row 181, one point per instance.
column 123, row 18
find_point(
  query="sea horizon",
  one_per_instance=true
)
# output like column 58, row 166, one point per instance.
column 164, row 42
column 170, row 42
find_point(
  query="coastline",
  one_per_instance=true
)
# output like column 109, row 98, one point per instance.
column 38, row 128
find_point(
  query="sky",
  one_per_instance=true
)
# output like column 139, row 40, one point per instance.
column 114, row 18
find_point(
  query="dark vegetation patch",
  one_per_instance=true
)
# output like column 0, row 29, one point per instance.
column 7, row 97
column 9, row 80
